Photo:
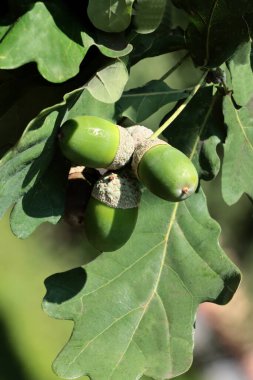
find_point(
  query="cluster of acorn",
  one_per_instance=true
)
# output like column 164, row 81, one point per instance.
column 129, row 156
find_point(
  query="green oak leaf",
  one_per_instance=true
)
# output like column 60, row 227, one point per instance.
column 45, row 199
column 148, row 15
column 3, row 30
column 134, row 309
column 216, row 29
column 200, row 125
column 60, row 44
column 23, row 166
column 108, row 84
column 241, row 75
column 139, row 103
column 110, row 15
column 58, row 52
column 238, row 153
column 110, row 44
column 44, row 202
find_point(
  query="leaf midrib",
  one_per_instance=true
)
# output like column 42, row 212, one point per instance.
column 154, row 291
column 242, row 128
column 171, row 222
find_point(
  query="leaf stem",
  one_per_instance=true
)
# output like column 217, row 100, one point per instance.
column 176, row 66
column 179, row 110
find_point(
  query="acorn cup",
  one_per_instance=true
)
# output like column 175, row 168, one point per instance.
column 164, row 170
column 112, row 211
column 139, row 133
column 95, row 143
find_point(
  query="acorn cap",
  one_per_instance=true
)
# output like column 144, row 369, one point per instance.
column 139, row 133
column 141, row 149
column 117, row 190
column 125, row 149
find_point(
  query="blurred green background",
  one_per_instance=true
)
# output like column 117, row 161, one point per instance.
column 30, row 340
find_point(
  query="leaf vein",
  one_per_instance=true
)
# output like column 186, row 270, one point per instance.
column 124, row 271
column 242, row 128
column 172, row 220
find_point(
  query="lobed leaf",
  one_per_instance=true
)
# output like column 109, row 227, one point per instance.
column 44, row 202
column 241, row 75
column 148, row 15
column 110, row 15
column 22, row 166
column 108, row 84
column 57, row 50
column 238, row 153
column 141, row 300
column 60, row 44
column 139, row 103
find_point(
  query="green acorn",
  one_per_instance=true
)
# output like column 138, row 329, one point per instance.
column 95, row 142
column 164, row 170
column 112, row 211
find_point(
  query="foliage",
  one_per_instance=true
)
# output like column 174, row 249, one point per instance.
column 133, row 309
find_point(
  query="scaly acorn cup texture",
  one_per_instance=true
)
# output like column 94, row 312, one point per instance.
column 95, row 142
column 164, row 170
column 112, row 211
column 139, row 133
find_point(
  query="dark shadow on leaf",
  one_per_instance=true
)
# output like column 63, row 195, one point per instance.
column 47, row 197
column 38, row 166
column 114, row 41
column 62, row 287
column 66, row 20
column 230, row 286
column 24, row 93
column 72, row 20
